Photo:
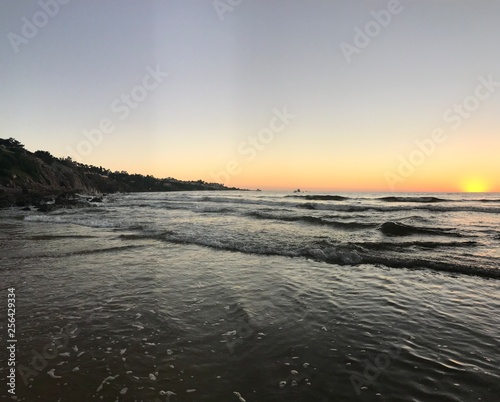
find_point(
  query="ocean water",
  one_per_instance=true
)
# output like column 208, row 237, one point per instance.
column 256, row 296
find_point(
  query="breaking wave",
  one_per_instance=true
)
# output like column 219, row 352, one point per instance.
column 344, row 254
column 401, row 229
column 321, row 197
column 412, row 199
column 313, row 220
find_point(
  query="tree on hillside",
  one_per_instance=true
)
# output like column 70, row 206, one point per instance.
column 45, row 156
column 67, row 162
column 11, row 143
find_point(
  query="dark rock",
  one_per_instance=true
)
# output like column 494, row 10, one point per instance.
column 96, row 199
column 5, row 203
column 65, row 198
column 26, row 209
column 37, row 201
column 47, row 208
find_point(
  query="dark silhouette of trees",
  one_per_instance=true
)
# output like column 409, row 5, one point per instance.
column 19, row 167
column 45, row 156
column 11, row 144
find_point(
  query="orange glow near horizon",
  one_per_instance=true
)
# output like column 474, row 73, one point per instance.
column 288, row 177
column 327, row 181
column 350, row 185
column 286, row 172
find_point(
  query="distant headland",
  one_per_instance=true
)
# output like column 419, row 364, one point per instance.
column 28, row 178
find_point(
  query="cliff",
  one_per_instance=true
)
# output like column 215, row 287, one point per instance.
column 31, row 178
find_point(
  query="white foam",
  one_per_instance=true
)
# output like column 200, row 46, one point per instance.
column 105, row 381
column 52, row 374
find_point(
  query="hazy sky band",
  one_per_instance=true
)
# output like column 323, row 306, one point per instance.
column 230, row 66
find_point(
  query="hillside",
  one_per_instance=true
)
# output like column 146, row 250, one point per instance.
column 29, row 178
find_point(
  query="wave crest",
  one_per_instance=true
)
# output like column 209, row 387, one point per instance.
column 401, row 229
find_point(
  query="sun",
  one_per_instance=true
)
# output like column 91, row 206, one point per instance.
column 475, row 185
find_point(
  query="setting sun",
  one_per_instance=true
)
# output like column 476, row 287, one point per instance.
column 475, row 186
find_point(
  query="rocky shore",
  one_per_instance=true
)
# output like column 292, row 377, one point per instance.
column 48, row 201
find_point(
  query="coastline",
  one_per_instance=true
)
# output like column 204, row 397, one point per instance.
column 34, row 179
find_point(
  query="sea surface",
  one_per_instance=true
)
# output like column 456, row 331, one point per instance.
column 255, row 296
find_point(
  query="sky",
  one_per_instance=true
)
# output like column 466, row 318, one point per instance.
column 320, row 95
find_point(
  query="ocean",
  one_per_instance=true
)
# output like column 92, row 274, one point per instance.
column 255, row 296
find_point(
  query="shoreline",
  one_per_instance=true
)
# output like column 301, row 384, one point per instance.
column 28, row 178
column 18, row 198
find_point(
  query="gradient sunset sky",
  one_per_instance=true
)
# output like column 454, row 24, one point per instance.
column 235, row 70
